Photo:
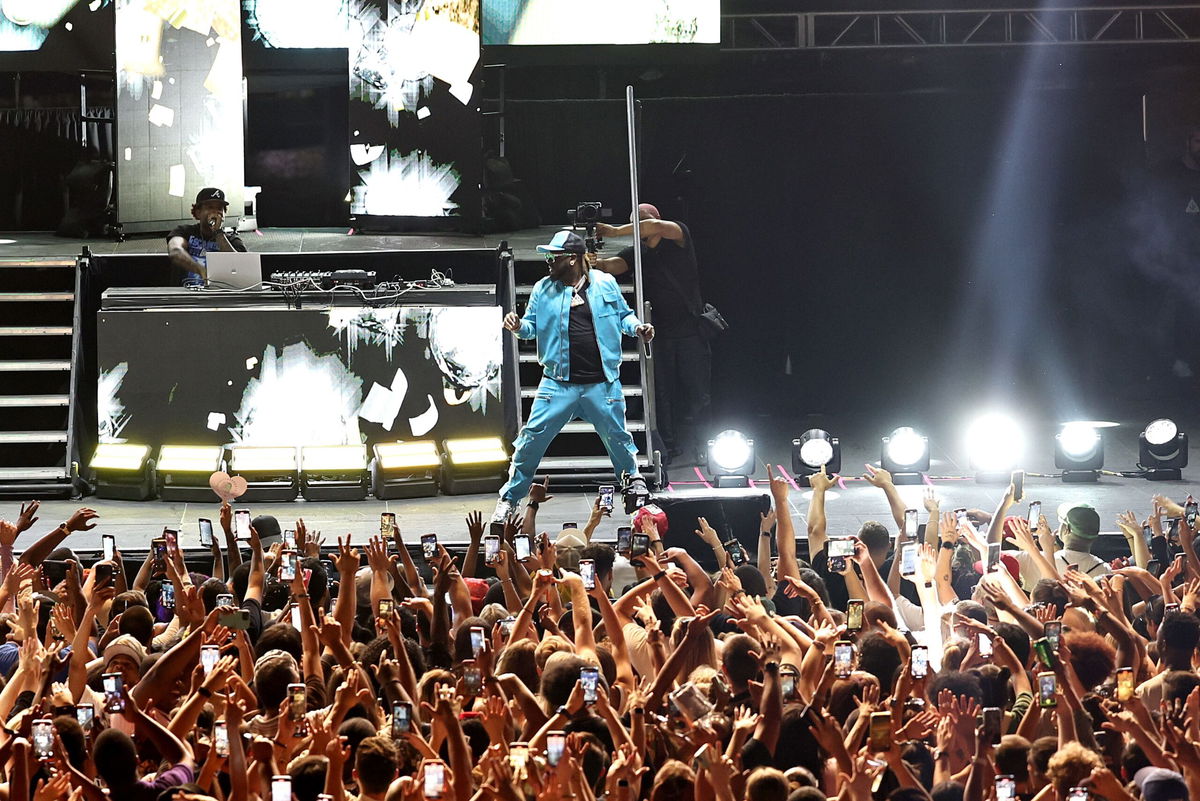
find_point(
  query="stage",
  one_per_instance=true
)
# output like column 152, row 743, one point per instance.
column 848, row 507
column 44, row 244
column 773, row 422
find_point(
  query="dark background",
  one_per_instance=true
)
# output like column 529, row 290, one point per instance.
column 919, row 231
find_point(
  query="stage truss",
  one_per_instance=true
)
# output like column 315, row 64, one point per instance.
column 847, row 30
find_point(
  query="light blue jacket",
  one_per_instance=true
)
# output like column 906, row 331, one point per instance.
column 548, row 315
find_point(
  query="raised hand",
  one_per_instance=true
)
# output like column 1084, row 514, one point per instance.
column 28, row 516
column 347, row 561
column 707, row 532
column 82, row 520
column 877, row 476
column 744, row 720
column 930, row 501
column 475, row 526
column 540, row 493
column 821, row 481
column 377, row 555
column 779, row 487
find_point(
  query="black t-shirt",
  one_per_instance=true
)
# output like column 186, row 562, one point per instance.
column 676, row 304
column 198, row 247
column 834, row 583
column 585, row 366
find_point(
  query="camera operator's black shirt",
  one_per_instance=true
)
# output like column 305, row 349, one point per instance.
column 675, row 304
column 585, row 366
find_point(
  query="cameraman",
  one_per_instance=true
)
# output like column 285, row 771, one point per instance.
column 682, row 357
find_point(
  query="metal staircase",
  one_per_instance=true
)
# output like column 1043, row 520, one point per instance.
column 577, row 459
column 38, row 320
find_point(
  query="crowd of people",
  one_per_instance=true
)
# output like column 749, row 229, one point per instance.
column 925, row 665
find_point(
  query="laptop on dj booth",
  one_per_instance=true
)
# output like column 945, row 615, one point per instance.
column 234, row 270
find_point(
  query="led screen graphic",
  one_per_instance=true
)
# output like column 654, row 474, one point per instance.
column 276, row 23
column 179, row 73
column 601, row 22
column 57, row 35
column 414, row 123
column 271, row 377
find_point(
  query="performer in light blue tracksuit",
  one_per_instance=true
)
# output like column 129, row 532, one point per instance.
column 577, row 316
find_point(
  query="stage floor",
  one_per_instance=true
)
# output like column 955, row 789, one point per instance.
column 848, row 507
column 43, row 244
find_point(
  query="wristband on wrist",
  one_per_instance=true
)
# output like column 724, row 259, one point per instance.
column 204, row 691
column 659, row 574
column 949, row 546
column 532, row 505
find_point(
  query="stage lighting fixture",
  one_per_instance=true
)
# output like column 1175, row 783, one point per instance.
column 731, row 459
column 1162, row 450
column 333, row 472
column 995, row 445
column 271, row 474
column 1079, row 452
column 814, row 449
column 905, row 455
column 184, row 470
column 405, row 469
column 124, row 471
column 474, row 465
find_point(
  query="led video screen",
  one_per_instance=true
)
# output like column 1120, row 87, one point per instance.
column 601, row 22
column 276, row 23
column 179, row 102
column 56, row 35
column 414, row 116
column 288, row 377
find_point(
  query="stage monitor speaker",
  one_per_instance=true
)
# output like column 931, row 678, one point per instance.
column 731, row 512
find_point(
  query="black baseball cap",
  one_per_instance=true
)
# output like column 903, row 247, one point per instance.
column 211, row 193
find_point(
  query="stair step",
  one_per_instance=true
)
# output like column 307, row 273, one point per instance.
column 583, row 427
column 629, row 392
column 37, row 296
column 32, row 366
column 37, row 263
column 583, row 462
column 524, row 291
column 531, row 357
column 34, row 400
column 35, row 331
column 7, row 437
column 33, row 473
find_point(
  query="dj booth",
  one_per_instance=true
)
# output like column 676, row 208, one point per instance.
column 409, row 358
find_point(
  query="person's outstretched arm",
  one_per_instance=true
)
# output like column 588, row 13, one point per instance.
column 171, row 748
column 817, row 535
column 179, row 257
column 231, row 543
column 878, row 477
column 82, row 520
column 258, row 571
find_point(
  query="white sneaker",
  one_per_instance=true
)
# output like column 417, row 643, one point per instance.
column 504, row 510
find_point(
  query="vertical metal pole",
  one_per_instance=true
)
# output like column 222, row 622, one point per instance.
column 83, row 124
column 630, row 120
column 640, row 304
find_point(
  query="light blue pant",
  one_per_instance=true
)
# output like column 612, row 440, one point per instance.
column 554, row 405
